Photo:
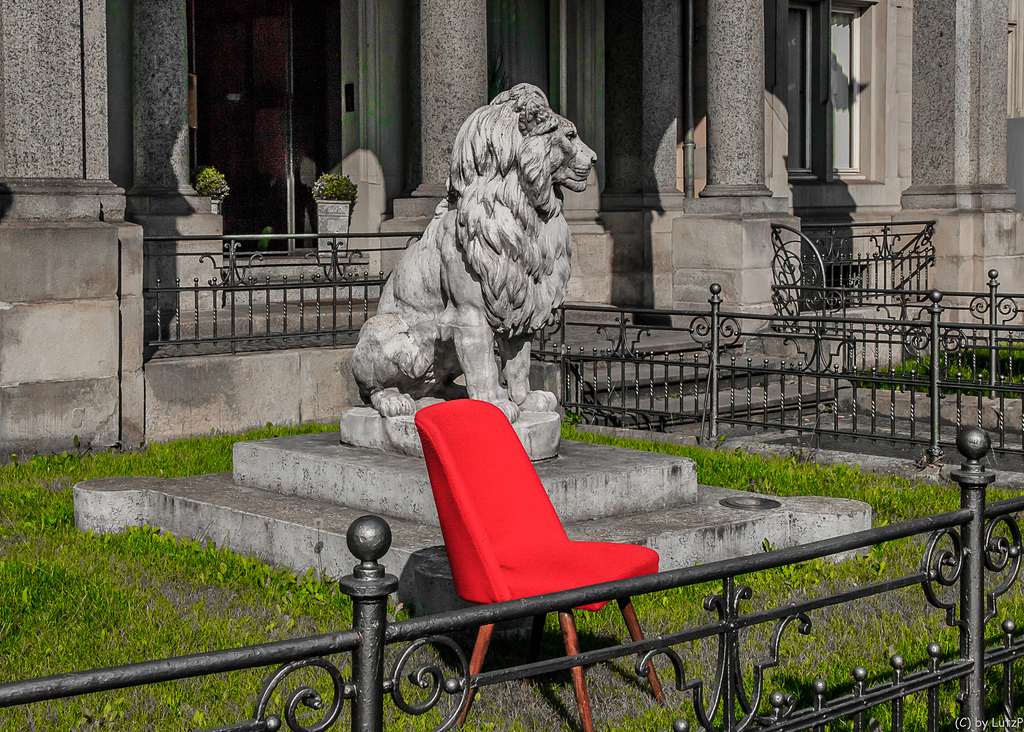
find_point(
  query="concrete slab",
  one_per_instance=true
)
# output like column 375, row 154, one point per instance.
column 300, row 532
column 584, row 481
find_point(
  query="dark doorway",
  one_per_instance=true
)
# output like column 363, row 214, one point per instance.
column 268, row 105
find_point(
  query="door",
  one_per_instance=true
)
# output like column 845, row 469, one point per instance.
column 267, row 78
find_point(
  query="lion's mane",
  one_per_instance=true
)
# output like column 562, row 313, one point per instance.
column 509, row 224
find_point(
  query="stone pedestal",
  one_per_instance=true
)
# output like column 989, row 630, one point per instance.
column 725, row 240
column 292, row 499
column 363, row 427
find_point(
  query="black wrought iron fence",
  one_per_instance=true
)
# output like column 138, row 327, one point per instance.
column 838, row 266
column 970, row 558
column 912, row 371
column 226, row 294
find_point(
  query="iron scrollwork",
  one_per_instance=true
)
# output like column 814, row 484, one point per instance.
column 728, row 686
column 430, row 677
column 729, row 331
column 622, row 344
column 236, row 270
column 1002, row 556
column 943, row 566
column 302, row 696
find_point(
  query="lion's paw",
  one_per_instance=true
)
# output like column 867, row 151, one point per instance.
column 509, row 407
column 540, row 401
column 392, row 403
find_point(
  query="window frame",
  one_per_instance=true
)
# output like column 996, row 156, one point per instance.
column 819, row 87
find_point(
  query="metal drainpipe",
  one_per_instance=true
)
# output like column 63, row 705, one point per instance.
column 689, row 145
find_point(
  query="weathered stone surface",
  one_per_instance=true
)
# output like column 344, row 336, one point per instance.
column 454, row 299
column 58, row 261
column 332, row 217
column 63, row 199
column 363, row 427
column 58, row 341
column 287, row 528
column 191, row 396
column 161, row 98
column 959, row 93
column 661, row 84
column 46, row 416
column 994, row 414
column 281, row 529
column 41, row 58
column 583, row 482
column 94, row 65
column 735, row 69
column 453, row 80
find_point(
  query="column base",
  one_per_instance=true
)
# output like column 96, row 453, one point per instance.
column 718, row 240
column 60, row 199
column 971, row 241
column 420, row 206
column 960, row 198
column 722, row 190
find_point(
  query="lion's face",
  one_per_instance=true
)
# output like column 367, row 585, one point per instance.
column 569, row 159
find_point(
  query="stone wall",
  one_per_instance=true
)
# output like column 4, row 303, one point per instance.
column 196, row 395
column 63, row 321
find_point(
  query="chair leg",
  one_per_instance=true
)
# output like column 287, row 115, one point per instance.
column 536, row 634
column 635, row 633
column 572, row 648
column 483, row 642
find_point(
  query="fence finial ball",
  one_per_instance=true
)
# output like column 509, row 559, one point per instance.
column 935, row 296
column 716, row 289
column 993, row 274
column 973, row 443
column 369, row 538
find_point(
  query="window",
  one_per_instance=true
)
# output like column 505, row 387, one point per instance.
column 798, row 87
column 843, row 67
column 822, row 56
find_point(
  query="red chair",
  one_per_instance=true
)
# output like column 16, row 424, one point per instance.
column 503, row 537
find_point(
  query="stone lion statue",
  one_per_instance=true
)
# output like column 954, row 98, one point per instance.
column 490, row 270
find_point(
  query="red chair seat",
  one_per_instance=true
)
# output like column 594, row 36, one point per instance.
column 537, row 569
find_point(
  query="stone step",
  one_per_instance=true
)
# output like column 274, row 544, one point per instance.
column 300, row 532
column 584, row 481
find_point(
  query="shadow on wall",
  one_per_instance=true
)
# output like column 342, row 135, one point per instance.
column 6, row 200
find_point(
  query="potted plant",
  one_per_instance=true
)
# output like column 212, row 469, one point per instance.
column 210, row 183
column 335, row 195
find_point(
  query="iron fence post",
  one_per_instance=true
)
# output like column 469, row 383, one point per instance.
column 973, row 443
column 716, row 303
column 935, row 310
column 369, row 538
column 993, row 296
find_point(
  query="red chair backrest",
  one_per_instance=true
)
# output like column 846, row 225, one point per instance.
column 487, row 493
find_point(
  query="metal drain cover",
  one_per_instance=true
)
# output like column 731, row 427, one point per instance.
column 754, row 503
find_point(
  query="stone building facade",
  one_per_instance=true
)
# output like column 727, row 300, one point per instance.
column 812, row 110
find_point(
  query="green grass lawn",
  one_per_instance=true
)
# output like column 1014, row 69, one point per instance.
column 71, row 601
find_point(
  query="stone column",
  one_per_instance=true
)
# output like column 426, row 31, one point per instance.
column 661, row 88
column 453, row 81
column 959, row 141
column 724, row 236
column 161, row 186
column 735, row 99
column 959, row 97
column 70, row 323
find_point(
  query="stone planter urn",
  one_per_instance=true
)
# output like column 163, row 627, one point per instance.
column 332, row 217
